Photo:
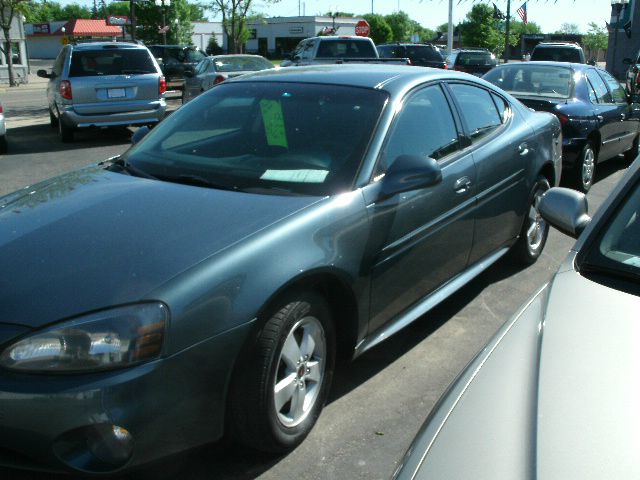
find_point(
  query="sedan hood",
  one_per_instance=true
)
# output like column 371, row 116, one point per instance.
column 589, row 386
column 92, row 238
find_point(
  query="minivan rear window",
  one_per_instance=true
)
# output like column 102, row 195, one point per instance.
column 559, row 54
column 89, row 63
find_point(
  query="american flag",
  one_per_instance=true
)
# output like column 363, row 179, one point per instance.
column 522, row 11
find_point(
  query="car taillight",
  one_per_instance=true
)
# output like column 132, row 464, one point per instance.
column 562, row 117
column 218, row 79
column 446, row 67
column 65, row 90
column 409, row 62
column 1, row 109
column 638, row 78
column 162, row 85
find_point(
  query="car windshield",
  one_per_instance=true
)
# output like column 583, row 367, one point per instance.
column 242, row 64
column 120, row 61
column 617, row 246
column 533, row 80
column 264, row 137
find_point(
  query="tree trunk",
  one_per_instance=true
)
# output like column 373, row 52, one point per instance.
column 9, row 56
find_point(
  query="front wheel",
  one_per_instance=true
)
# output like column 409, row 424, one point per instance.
column 535, row 229
column 279, row 390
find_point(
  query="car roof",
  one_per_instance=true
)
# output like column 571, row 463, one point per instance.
column 558, row 44
column 406, row 45
column 99, row 45
column 390, row 78
column 548, row 63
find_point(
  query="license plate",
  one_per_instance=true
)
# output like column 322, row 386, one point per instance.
column 115, row 92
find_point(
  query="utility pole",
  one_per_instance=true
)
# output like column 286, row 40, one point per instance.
column 132, row 10
column 507, row 49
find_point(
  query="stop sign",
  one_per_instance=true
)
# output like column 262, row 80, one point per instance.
column 362, row 28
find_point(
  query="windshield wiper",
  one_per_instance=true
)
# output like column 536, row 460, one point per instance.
column 127, row 167
column 197, row 181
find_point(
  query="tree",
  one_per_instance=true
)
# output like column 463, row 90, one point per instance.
column 8, row 11
column 596, row 39
column 480, row 29
column 149, row 20
column 569, row 28
column 401, row 26
column 234, row 20
column 339, row 14
column 380, row 29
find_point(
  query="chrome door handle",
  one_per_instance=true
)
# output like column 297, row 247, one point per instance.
column 600, row 118
column 523, row 149
column 622, row 116
column 462, row 185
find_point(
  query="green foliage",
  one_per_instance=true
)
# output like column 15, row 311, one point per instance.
column 401, row 26
column 339, row 14
column 149, row 20
column 213, row 48
column 380, row 29
column 118, row 8
column 480, row 29
column 596, row 38
column 569, row 28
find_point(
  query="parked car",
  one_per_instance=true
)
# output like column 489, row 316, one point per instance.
column 337, row 49
column 213, row 70
column 206, row 280
column 558, row 52
column 556, row 390
column 423, row 55
column 598, row 119
column 104, row 84
column 3, row 131
column 174, row 60
column 476, row 61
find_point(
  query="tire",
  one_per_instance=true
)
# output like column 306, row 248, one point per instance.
column 585, row 169
column 53, row 120
column 294, row 355
column 3, row 144
column 631, row 154
column 64, row 132
column 535, row 229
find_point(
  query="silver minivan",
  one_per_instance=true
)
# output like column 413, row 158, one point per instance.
column 104, row 84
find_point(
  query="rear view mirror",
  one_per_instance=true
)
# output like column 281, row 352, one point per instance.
column 565, row 209
column 44, row 74
column 410, row 172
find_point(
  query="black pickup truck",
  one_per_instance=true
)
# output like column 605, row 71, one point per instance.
column 337, row 49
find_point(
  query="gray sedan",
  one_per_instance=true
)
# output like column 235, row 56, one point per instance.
column 216, row 69
column 555, row 394
column 206, row 281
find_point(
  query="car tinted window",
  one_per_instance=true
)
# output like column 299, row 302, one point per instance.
column 202, row 66
column 193, row 56
column 477, row 108
column 557, row 54
column 424, row 127
column 532, row 79
column 423, row 52
column 388, row 51
column 617, row 92
column 266, row 137
column 346, row 48
column 602, row 92
column 476, row 58
column 88, row 63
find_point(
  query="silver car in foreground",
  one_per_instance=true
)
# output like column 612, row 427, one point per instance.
column 555, row 394
column 104, row 84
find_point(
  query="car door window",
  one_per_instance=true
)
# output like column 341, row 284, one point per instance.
column 592, row 93
column 202, row 66
column 617, row 92
column 424, row 127
column 59, row 63
column 478, row 110
column 504, row 110
column 600, row 88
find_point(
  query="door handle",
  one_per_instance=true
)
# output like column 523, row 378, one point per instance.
column 523, row 149
column 600, row 118
column 462, row 185
column 622, row 116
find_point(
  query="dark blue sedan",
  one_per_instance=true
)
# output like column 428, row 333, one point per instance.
column 205, row 282
column 598, row 119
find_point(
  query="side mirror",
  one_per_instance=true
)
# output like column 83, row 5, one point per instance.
column 44, row 74
column 140, row 134
column 410, row 172
column 297, row 58
column 565, row 209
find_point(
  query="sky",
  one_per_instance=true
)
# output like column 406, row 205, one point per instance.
column 431, row 13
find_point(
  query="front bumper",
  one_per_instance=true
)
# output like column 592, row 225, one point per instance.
column 50, row 422
column 152, row 113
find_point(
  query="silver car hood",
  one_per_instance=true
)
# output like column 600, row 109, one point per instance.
column 589, row 385
column 554, row 395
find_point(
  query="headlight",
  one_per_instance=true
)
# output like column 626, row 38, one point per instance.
column 109, row 339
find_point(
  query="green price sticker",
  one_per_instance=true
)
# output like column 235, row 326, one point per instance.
column 273, row 123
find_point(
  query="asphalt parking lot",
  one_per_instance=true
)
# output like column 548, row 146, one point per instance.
column 378, row 402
